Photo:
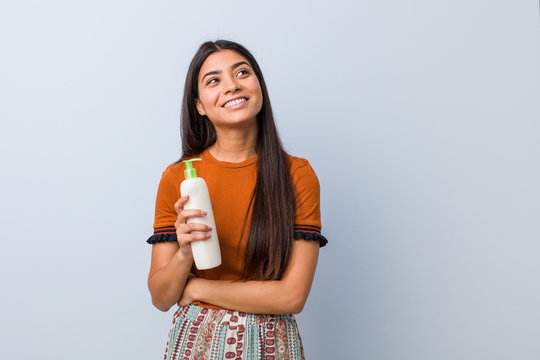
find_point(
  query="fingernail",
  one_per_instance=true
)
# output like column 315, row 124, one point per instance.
column 204, row 212
column 209, row 228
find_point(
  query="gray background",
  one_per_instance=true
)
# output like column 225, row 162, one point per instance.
column 421, row 119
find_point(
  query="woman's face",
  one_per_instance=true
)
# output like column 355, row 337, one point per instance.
column 225, row 76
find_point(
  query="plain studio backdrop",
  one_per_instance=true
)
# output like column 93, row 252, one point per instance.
column 421, row 119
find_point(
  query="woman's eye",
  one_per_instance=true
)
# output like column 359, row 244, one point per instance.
column 211, row 81
column 243, row 71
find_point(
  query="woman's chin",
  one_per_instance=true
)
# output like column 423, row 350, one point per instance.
column 236, row 122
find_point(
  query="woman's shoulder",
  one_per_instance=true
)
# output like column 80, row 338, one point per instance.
column 299, row 166
column 174, row 168
column 296, row 161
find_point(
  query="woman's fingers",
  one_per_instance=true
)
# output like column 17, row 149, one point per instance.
column 179, row 205
column 189, row 238
column 188, row 228
column 191, row 213
column 184, row 215
column 188, row 232
column 185, row 237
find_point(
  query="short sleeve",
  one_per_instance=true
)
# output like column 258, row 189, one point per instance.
column 307, row 218
column 165, row 213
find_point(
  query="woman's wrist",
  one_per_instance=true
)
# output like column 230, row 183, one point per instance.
column 181, row 256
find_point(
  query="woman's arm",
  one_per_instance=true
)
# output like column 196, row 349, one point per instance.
column 169, row 271
column 171, row 261
column 284, row 296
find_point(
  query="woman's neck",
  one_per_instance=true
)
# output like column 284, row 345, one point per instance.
column 234, row 145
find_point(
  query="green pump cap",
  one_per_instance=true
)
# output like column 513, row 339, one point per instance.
column 190, row 171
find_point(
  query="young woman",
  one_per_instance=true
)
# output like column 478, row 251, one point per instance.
column 267, row 215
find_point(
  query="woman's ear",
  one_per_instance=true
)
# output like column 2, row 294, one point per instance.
column 200, row 108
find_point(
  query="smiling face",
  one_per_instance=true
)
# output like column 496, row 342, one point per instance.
column 229, row 91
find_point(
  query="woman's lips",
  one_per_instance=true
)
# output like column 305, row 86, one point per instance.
column 237, row 106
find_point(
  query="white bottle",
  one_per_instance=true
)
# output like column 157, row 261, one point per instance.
column 206, row 253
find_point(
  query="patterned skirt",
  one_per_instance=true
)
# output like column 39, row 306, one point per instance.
column 201, row 333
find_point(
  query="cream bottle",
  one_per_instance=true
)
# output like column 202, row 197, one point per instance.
column 206, row 253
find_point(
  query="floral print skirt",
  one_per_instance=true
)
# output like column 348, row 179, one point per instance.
column 201, row 333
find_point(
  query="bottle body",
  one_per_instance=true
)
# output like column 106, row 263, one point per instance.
column 206, row 253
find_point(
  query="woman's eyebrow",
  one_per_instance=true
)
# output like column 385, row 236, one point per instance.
column 219, row 71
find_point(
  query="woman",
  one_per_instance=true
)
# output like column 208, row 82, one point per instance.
column 267, row 215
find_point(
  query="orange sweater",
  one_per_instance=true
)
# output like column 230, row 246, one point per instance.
column 230, row 186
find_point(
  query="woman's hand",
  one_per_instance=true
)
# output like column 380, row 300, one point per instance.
column 183, row 229
column 187, row 295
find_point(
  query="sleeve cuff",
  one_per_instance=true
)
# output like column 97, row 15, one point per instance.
column 162, row 234
column 309, row 232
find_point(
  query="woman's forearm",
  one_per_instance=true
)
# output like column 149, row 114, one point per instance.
column 263, row 297
column 167, row 284
column 284, row 296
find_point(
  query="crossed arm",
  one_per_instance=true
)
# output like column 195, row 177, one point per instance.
column 169, row 283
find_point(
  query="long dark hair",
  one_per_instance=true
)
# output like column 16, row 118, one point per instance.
column 268, row 248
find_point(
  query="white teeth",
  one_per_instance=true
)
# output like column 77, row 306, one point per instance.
column 234, row 102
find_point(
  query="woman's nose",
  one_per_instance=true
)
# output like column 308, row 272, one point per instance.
column 232, row 84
